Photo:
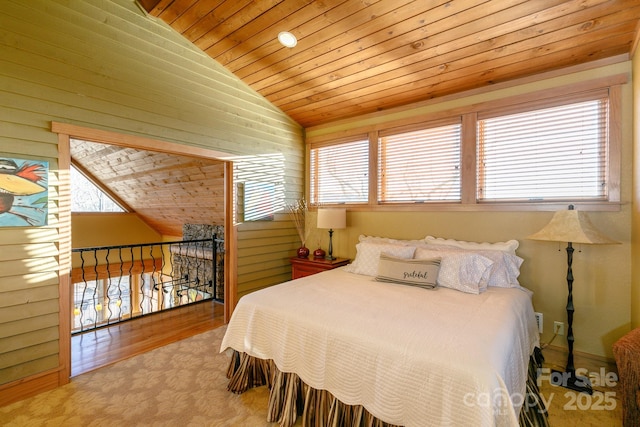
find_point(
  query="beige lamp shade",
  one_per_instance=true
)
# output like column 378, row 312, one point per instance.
column 332, row 218
column 572, row 226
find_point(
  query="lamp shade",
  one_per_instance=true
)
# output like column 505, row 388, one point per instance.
column 572, row 226
column 332, row 218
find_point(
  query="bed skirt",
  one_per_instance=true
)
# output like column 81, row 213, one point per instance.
column 290, row 397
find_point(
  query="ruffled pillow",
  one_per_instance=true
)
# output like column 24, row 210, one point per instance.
column 509, row 246
column 506, row 264
column 376, row 239
column 460, row 270
column 368, row 256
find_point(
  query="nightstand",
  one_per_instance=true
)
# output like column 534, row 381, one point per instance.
column 301, row 267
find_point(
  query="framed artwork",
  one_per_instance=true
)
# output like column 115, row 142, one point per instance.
column 24, row 192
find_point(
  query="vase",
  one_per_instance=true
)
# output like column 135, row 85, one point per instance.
column 319, row 254
column 303, row 252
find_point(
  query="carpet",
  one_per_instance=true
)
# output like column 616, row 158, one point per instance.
column 183, row 383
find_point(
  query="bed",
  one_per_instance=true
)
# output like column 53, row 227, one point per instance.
column 412, row 333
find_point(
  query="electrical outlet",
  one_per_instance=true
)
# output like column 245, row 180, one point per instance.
column 539, row 321
column 558, row 328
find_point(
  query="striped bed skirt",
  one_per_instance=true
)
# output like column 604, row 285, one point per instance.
column 290, row 397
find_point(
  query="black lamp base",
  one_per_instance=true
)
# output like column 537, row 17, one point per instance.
column 571, row 381
column 330, row 256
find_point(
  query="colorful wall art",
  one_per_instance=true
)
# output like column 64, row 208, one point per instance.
column 24, row 192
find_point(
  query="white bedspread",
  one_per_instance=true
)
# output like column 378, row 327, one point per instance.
column 410, row 356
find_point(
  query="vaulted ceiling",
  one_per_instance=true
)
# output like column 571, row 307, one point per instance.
column 353, row 57
column 361, row 56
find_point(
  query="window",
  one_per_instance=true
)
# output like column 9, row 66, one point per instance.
column 255, row 201
column 552, row 147
column 88, row 197
column 420, row 165
column 544, row 154
column 340, row 173
column 113, row 299
column 260, row 187
column 96, row 302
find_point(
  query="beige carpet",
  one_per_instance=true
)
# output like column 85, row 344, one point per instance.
column 181, row 384
column 184, row 384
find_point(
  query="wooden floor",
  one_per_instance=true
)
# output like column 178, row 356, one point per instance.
column 101, row 347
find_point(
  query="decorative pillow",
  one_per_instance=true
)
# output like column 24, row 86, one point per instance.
column 368, row 256
column 505, row 269
column 415, row 272
column 460, row 270
column 509, row 246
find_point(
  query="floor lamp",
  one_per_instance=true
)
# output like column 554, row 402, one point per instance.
column 331, row 218
column 572, row 226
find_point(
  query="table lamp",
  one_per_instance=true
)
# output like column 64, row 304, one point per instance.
column 331, row 219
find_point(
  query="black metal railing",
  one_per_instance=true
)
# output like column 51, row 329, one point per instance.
column 118, row 283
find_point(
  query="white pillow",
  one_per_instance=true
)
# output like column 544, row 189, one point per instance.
column 509, row 246
column 460, row 270
column 375, row 239
column 505, row 269
column 368, row 256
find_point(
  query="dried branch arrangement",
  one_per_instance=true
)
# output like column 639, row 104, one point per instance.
column 298, row 211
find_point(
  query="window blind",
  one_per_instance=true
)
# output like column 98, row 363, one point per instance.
column 340, row 173
column 420, row 166
column 551, row 153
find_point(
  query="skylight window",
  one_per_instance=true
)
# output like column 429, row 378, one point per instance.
column 88, row 197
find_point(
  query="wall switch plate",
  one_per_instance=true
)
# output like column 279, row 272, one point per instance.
column 558, row 328
column 539, row 321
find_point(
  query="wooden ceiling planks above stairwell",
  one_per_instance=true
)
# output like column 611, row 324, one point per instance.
column 165, row 190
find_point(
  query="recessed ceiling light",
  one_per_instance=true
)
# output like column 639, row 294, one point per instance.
column 287, row 39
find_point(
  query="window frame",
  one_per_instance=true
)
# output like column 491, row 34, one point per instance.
column 532, row 107
column 339, row 141
column 469, row 115
column 427, row 125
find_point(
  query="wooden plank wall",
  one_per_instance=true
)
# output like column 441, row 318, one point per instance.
column 106, row 65
column 264, row 246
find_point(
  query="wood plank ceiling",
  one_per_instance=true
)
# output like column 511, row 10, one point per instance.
column 165, row 190
column 360, row 56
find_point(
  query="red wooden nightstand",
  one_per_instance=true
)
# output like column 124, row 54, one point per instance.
column 301, row 267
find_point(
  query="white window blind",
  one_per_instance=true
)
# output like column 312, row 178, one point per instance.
column 420, row 166
column 551, row 153
column 340, row 173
